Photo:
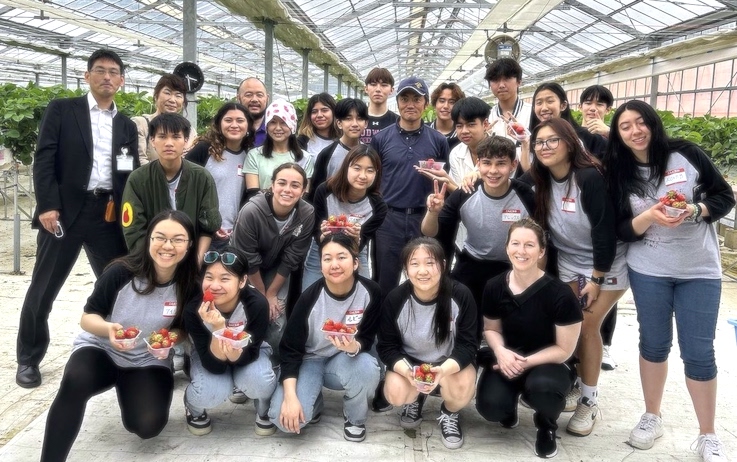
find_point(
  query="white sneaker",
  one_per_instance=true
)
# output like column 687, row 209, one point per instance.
column 607, row 363
column 710, row 448
column 572, row 399
column 647, row 430
column 583, row 420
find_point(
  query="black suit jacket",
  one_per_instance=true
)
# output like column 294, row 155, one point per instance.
column 64, row 152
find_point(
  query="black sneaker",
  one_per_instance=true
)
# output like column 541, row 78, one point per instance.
column 379, row 403
column 546, row 444
column 199, row 425
column 411, row 416
column 354, row 433
column 316, row 418
column 264, row 427
column 237, row 396
column 450, row 428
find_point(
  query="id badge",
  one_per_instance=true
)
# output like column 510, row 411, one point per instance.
column 239, row 172
column 353, row 316
column 675, row 176
column 569, row 205
column 124, row 161
column 170, row 309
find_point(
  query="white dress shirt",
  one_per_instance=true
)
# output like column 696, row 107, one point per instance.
column 101, row 121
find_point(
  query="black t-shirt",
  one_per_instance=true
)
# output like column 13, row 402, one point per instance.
column 529, row 319
column 377, row 124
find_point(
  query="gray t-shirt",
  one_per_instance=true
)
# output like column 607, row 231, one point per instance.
column 336, row 160
column 487, row 220
column 148, row 313
column 415, row 322
column 356, row 212
column 173, row 184
column 348, row 311
column 229, row 182
column 688, row 251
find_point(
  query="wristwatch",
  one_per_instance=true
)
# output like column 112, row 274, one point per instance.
column 598, row 281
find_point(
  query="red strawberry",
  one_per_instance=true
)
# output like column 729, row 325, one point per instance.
column 165, row 343
column 425, row 368
column 519, row 129
column 338, row 326
column 164, row 332
column 156, row 345
column 419, row 376
column 241, row 335
column 429, row 378
column 342, row 218
column 131, row 332
column 120, row 334
column 208, row 296
column 173, row 337
column 332, row 220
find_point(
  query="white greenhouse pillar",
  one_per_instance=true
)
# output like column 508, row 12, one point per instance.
column 340, row 84
column 269, row 56
column 327, row 77
column 64, row 72
column 189, row 53
column 305, row 72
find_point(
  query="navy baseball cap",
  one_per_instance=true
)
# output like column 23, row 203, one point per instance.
column 415, row 84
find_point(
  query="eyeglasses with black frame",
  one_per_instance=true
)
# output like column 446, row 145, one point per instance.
column 550, row 143
column 175, row 241
column 226, row 258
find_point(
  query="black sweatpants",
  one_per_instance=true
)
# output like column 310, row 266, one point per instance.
column 543, row 387
column 144, row 396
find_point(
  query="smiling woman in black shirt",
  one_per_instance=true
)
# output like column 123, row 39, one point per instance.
column 532, row 322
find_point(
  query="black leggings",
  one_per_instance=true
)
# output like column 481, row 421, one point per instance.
column 544, row 388
column 144, row 396
column 607, row 327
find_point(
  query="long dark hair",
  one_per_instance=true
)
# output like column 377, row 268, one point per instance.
column 562, row 96
column 186, row 275
column 215, row 135
column 306, row 128
column 577, row 155
column 622, row 176
column 440, row 324
column 338, row 183
column 268, row 148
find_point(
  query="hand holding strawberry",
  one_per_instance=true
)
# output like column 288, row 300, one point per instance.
column 123, row 338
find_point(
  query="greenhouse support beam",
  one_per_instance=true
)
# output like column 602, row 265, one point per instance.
column 305, row 72
column 327, row 77
column 269, row 56
column 189, row 52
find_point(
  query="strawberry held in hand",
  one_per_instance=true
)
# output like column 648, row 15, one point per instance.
column 131, row 332
column 208, row 296
column 674, row 199
column 518, row 129
column 424, row 374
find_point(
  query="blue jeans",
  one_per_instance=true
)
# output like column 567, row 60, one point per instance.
column 313, row 267
column 695, row 303
column 207, row 390
column 358, row 376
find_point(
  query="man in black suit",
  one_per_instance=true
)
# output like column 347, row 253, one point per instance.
column 85, row 151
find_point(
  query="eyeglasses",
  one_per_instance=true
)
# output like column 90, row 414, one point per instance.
column 175, row 241
column 227, row 258
column 550, row 143
column 102, row 71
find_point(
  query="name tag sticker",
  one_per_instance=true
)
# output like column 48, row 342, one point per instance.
column 569, row 205
column 240, row 171
column 675, row 176
column 236, row 326
column 353, row 316
column 170, row 309
column 125, row 163
column 511, row 215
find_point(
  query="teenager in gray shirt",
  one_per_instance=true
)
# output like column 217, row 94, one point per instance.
column 674, row 262
column 147, row 289
column 429, row 319
column 573, row 204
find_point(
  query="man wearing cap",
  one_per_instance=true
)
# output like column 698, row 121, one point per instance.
column 401, row 146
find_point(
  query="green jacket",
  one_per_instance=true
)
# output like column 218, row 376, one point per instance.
column 147, row 193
